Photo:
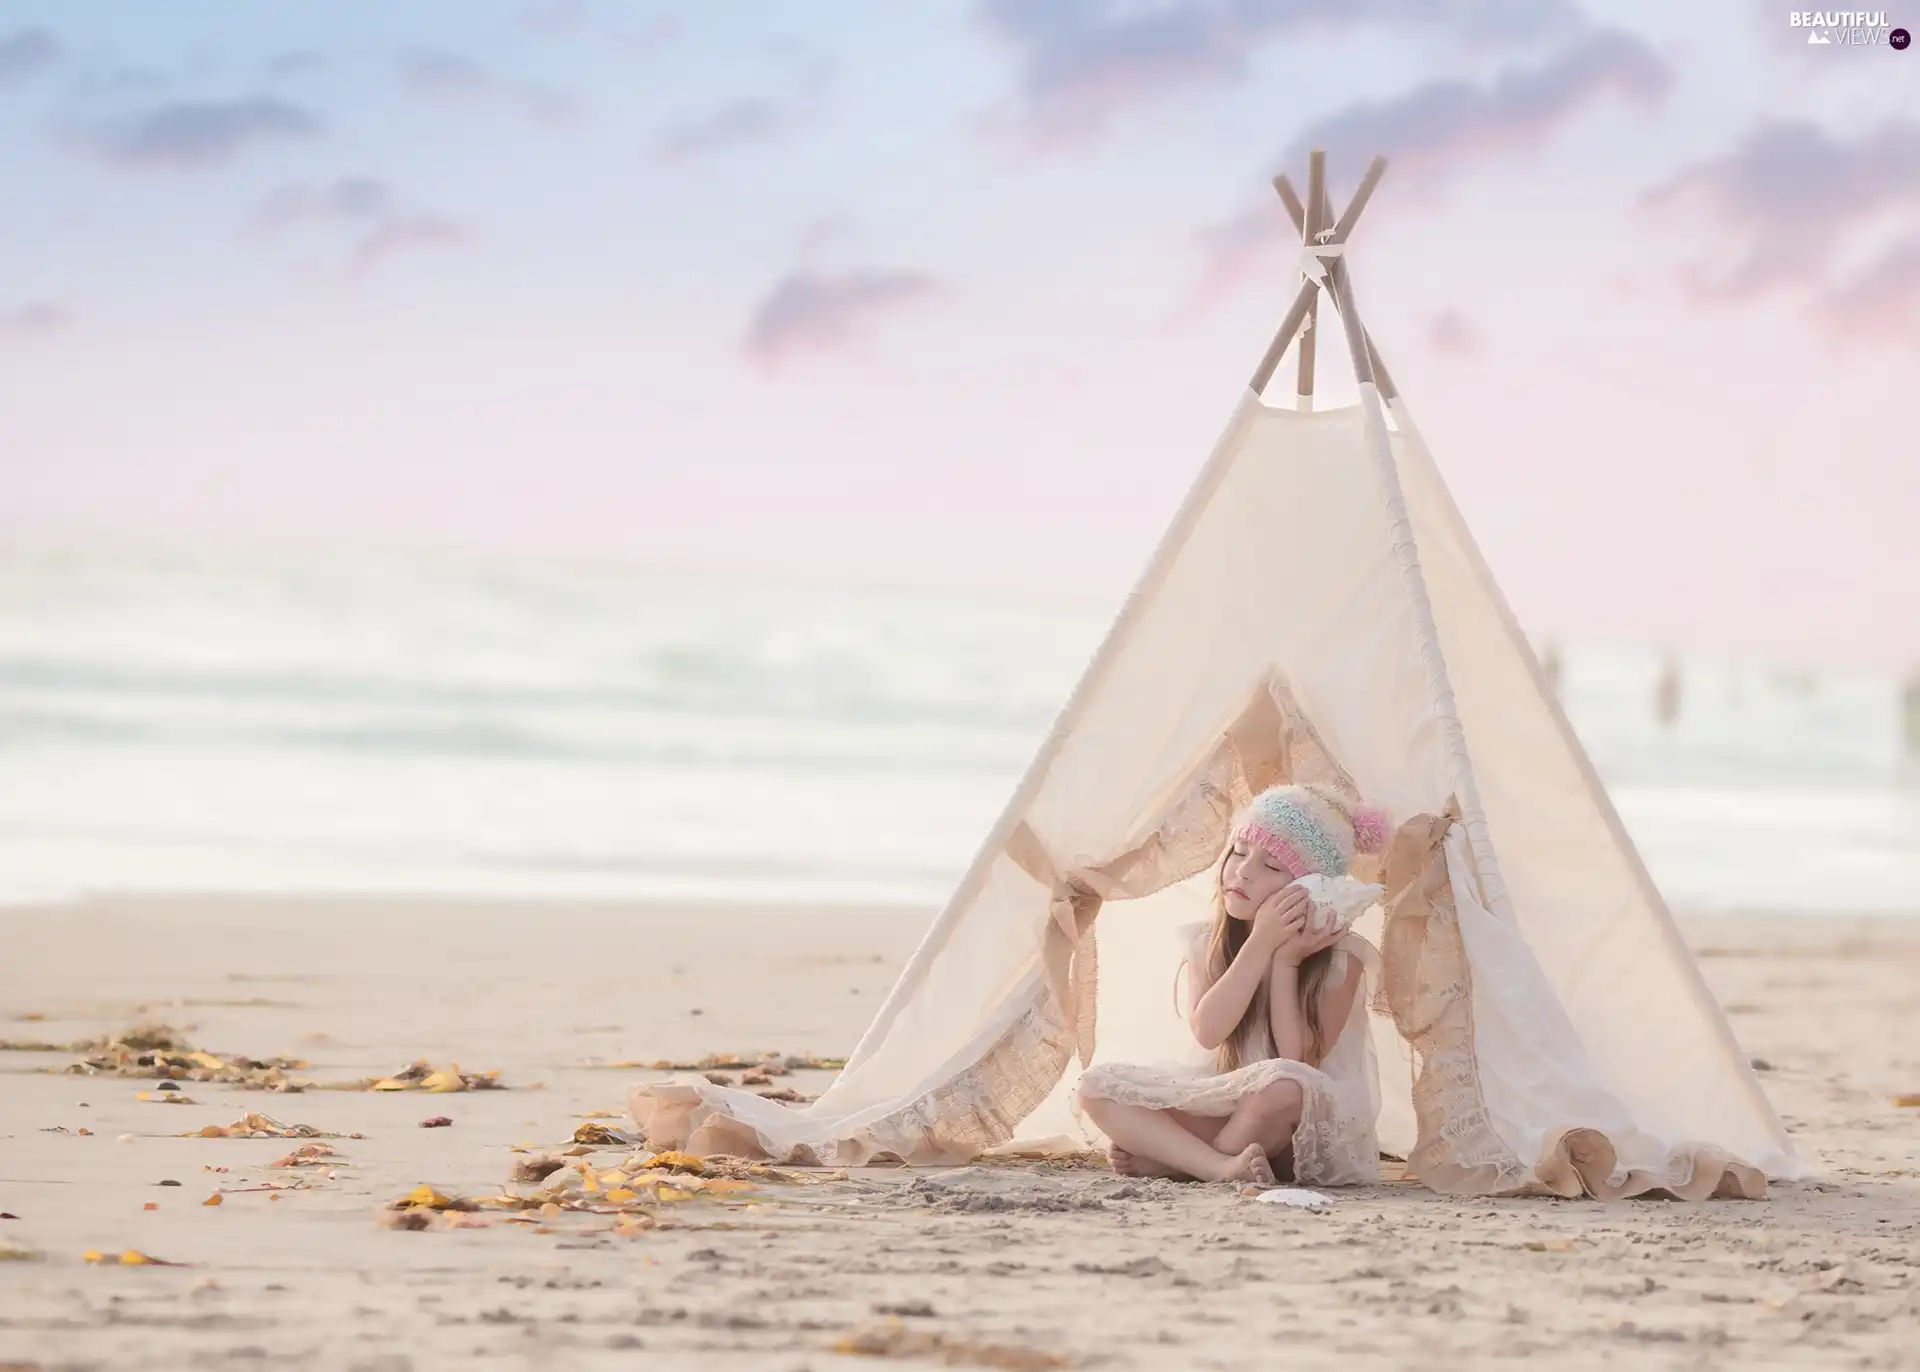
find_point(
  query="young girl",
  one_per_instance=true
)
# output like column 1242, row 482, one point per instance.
column 1276, row 993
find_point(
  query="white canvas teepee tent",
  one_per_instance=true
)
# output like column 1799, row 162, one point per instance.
column 1540, row 1023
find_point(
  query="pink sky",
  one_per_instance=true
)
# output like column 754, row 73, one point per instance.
column 959, row 296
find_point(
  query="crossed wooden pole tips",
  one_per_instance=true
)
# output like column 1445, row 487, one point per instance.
column 1323, row 263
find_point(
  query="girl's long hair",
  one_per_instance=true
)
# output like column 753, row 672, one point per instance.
column 1252, row 1038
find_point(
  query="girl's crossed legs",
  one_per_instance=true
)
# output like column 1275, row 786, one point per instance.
column 1174, row 1143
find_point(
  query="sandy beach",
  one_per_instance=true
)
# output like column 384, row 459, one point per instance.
column 1003, row 1266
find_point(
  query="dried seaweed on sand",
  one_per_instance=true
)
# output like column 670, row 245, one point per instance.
column 598, row 1135
column 727, row 1166
column 421, row 1075
column 161, row 1052
column 309, row 1155
column 254, row 1125
column 895, row 1340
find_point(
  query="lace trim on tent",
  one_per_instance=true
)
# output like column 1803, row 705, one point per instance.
column 1428, row 989
column 983, row 1106
column 968, row 1113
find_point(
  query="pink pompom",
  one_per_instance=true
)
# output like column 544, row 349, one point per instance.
column 1371, row 828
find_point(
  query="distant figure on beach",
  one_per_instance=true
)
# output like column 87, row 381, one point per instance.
column 1666, row 695
column 1911, row 714
column 1276, row 1000
column 1550, row 666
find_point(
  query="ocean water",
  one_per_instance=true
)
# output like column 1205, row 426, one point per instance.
column 191, row 722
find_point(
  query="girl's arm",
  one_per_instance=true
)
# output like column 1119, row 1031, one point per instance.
column 1214, row 1011
column 1283, row 1006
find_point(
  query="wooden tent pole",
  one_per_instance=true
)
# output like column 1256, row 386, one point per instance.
column 1340, row 287
column 1380, row 377
column 1283, row 337
column 1361, row 195
column 1290, row 324
column 1316, row 199
column 1291, row 199
column 1283, row 187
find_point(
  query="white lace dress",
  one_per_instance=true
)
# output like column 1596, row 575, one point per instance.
column 1335, row 1144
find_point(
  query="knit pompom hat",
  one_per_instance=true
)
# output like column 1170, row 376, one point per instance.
column 1311, row 829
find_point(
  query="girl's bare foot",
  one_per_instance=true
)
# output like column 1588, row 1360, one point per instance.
column 1250, row 1166
column 1133, row 1165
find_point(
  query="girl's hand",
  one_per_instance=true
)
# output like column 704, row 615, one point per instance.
column 1302, row 942
column 1281, row 917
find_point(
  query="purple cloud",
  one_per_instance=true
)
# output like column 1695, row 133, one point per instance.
column 649, row 39
column 436, row 74
column 1448, row 332
column 1786, row 197
column 1430, row 133
column 736, row 125
column 749, row 121
column 352, row 199
column 1083, row 61
column 1881, row 304
column 444, row 75
column 193, row 135
column 809, row 312
column 811, row 69
column 302, row 62
column 123, row 84
column 553, row 16
column 1787, row 200
column 24, row 54
column 403, row 233
column 1433, row 130
column 825, row 234
column 34, row 321
column 381, row 223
